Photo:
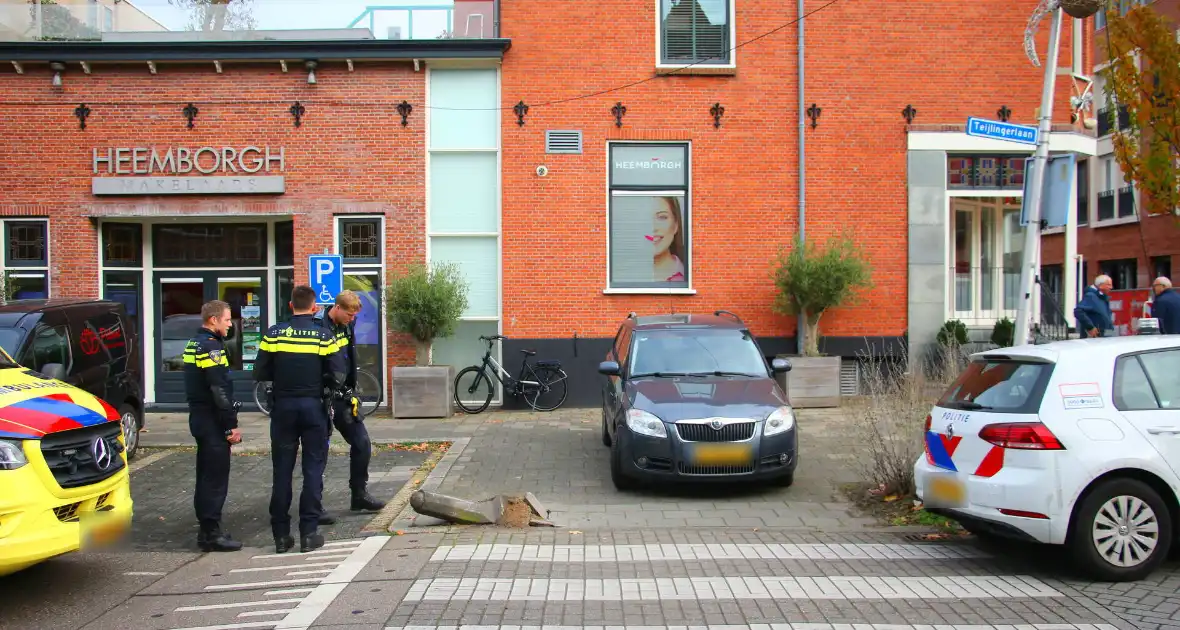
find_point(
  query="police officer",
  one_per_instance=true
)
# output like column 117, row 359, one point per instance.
column 340, row 322
column 213, row 421
column 304, row 365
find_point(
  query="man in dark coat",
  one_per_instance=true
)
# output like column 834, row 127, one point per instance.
column 1093, row 312
column 1166, row 306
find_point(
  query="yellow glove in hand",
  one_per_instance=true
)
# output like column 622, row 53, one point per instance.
column 354, row 406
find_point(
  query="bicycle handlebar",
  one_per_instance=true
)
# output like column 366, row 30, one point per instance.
column 492, row 338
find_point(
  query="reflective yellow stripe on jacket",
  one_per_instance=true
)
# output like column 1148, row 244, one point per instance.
column 341, row 340
column 299, row 345
column 202, row 359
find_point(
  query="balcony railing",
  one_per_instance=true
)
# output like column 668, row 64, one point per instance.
column 1106, row 205
column 1126, row 202
column 1105, row 127
column 164, row 21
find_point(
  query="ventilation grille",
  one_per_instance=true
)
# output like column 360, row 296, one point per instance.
column 850, row 377
column 563, row 142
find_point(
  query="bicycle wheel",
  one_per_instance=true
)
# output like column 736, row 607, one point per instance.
column 475, row 386
column 368, row 391
column 262, row 396
column 551, row 392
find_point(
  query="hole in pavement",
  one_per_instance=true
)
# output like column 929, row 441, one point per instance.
column 357, row 612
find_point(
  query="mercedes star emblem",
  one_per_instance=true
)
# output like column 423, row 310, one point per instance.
column 103, row 455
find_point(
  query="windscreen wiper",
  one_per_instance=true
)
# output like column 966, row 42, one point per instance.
column 660, row 374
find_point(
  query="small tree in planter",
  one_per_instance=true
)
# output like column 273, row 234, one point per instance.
column 425, row 303
column 810, row 280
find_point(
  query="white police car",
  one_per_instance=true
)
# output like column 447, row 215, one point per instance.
column 1072, row 442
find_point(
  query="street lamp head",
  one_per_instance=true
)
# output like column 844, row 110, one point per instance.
column 1082, row 9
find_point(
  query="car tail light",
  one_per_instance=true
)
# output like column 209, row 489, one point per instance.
column 1021, row 435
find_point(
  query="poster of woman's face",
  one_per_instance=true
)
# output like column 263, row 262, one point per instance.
column 647, row 240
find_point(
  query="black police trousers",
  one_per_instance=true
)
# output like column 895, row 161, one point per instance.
column 295, row 423
column 357, row 436
column 212, row 466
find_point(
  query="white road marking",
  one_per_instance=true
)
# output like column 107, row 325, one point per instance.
column 651, row 553
column 230, row 587
column 311, row 572
column 332, row 585
column 279, row 567
column 263, row 613
column 145, row 573
column 786, row 626
column 345, row 543
column 713, row 588
column 234, row 626
column 238, row 605
column 140, row 462
column 288, row 591
column 319, row 555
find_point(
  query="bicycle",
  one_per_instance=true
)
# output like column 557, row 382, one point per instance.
column 546, row 377
column 368, row 392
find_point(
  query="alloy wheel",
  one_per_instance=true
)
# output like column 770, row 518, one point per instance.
column 1125, row 531
column 130, row 431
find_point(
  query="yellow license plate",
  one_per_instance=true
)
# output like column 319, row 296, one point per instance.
column 945, row 491
column 722, row 454
column 102, row 532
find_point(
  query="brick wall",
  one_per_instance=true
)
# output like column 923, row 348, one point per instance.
column 350, row 155
column 865, row 63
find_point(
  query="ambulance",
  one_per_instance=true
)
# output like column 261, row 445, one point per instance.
column 64, row 480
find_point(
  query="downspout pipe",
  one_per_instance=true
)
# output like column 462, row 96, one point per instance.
column 802, row 331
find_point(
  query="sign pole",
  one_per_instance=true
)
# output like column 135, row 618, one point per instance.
column 1032, row 231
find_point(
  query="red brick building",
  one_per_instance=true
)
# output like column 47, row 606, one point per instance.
column 647, row 124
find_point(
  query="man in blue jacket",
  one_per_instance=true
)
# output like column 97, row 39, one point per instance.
column 1093, row 311
column 1166, row 306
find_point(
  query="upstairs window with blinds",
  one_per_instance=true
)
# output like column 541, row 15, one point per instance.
column 695, row 32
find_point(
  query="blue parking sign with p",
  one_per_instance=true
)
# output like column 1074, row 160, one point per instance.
column 327, row 277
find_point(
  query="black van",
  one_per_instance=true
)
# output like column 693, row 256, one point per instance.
column 90, row 344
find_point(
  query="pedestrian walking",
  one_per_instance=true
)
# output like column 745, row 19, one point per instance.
column 305, row 366
column 339, row 321
column 1166, row 306
column 1093, row 313
column 212, row 421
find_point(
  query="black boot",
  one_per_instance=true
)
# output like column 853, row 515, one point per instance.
column 283, row 544
column 217, row 541
column 362, row 501
column 311, row 542
column 327, row 519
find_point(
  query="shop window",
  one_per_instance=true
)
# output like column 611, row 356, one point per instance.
column 24, row 259
column 360, row 240
column 1161, row 266
column 285, row 244
column 1124, row 273
column 649, row 217
column 284, row 285
column 698, row 32
column 122, row 245
column 189, row 245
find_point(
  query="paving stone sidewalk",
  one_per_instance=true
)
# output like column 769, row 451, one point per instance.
column 559, row 457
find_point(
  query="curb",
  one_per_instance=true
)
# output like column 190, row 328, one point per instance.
column 406, row 516
column 440, row 463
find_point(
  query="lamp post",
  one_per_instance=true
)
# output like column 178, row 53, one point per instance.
column 1029, row 271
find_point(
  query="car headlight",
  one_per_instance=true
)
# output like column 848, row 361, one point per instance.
column 779, row 420
column 644, row 423
column 12, row 456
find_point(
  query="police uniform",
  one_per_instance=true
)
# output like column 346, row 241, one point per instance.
column 300, row 359
column 213, row 414
column 346, row 419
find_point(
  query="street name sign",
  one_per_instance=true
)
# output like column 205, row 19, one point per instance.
column 997, row 130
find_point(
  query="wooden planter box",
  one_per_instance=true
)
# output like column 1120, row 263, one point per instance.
column 422, row 391
column 812, row 381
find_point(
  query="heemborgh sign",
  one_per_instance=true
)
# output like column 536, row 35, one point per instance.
column 187, row 170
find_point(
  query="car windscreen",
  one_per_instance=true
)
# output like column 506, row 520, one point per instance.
column 999, row 385
column 695, row 351
column 10, row 340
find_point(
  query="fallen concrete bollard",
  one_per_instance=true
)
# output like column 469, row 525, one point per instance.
column 455, row 510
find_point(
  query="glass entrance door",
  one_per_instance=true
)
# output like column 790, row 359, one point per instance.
column 370, row 328
column 180, row 295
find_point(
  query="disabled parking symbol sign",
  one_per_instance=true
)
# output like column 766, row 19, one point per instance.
column 327, row 277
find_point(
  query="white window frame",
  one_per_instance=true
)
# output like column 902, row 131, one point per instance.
column 731, row 20
column 21, row 270
column 359, row 268
column 976, row 315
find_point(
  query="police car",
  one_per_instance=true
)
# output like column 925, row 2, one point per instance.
column 1074, row 443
